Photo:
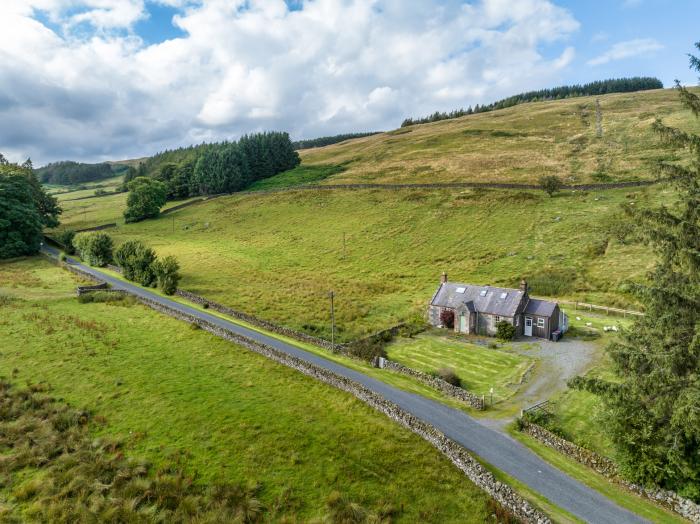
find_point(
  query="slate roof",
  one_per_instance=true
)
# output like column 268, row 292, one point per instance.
column 447, row 295
column 543, row 308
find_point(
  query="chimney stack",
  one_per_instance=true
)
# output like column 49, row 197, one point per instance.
column 443, row 278
column 523, row 285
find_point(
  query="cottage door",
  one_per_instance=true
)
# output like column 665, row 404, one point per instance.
column 463, row 324
column 528, row 326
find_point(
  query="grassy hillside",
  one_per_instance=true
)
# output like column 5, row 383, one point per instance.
column 178, row 395
column 277, row 255
column 517, row 144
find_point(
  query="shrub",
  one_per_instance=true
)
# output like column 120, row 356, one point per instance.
column 167, row 274
column 368, row 348
column 447, row 317
column 449, row 375
column 62, row 257
column 505, row 330
column 95, row 248
column 105, row 297
column 550, row 184
column 65, row 238
column 137, row 262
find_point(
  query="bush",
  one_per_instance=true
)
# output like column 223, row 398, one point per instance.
column 105, row 297
column 505, row 330
column 550, row 184
column 167, row 274
column 62, row 257
column 95, row 248
column 146, row 197
column 447, row 317
column 449, row 375
column 368, row 348
column 137, row 262
column 65, row 238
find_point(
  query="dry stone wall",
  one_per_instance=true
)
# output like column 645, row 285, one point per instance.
column 458, row 455
column 434, row 382
column 264, row 324
column 606, row 467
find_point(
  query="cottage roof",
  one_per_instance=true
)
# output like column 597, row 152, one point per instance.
column 485, row 299
column 543, row 308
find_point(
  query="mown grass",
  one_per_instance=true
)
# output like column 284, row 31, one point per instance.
column 278, row 255
column 231, row 416
column 518, row 144
column 480, row 368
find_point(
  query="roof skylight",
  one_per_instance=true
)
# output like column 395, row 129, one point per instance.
column 461, row 289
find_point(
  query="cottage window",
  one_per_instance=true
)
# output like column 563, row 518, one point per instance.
column 540, row 322
column 498, row 319
column 517, row 321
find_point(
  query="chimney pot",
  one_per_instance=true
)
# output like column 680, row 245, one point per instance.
column 523, row 285
column 443, row 277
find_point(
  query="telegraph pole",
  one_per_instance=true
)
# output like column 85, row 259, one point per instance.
column 332, row 296
column 343, row 244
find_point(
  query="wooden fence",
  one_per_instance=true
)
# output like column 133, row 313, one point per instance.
column 608, row 310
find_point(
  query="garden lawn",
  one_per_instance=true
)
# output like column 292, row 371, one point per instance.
column 480, row 368
column 226, row 413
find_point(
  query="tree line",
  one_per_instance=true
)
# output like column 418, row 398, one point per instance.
column 599, row 87
column 225, row 167
column 70, row 173
column 328, row 140
column 25, row 210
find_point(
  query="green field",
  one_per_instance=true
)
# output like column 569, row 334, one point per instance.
column 480, row 368
column 278, row 255
column 85, row 189
column 170, row 391
column 518, row 144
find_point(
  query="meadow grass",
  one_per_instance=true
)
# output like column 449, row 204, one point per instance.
column 518, row 144
column 480, row 368
column 229, row 415
column 88, row 212
column 278, row 255
column 299, row 176
column 65, row 192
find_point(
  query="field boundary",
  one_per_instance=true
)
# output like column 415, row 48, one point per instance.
column 456, row 185
column 457, row 454
column 608, row 469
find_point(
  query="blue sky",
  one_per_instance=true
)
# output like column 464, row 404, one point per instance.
column 102, row 79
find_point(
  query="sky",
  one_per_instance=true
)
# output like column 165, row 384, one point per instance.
column 95, row 80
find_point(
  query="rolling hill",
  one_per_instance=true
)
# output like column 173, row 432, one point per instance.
column 276, row 255
column 517, row 144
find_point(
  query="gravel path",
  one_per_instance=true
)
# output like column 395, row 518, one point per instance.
column 559, row 361
column 490, row 445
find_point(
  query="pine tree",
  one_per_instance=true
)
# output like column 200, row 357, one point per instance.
column 653, row 413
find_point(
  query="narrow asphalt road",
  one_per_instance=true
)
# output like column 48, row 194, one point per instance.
column 491, row 446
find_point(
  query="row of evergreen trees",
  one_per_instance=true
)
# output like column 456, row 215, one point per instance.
column 70, row 173
column 600, row 87
column 225, row 167
column 328, row 140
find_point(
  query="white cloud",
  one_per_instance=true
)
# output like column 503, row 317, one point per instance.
column 627, row 49
column 333, row 66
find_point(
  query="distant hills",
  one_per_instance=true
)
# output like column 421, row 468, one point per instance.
column 599, row 87
column 68, row 172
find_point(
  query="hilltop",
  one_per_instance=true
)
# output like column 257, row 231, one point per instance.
column 517, row 144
